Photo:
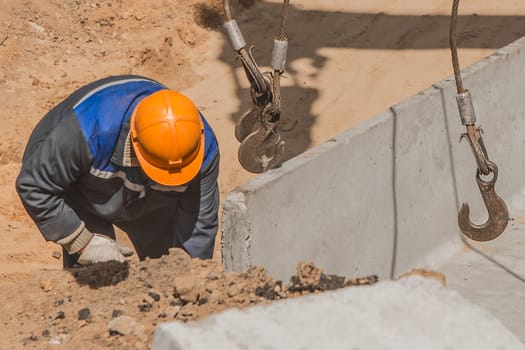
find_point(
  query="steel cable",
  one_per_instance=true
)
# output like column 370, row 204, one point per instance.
column 284, row 19
column 473, row 132
column 227, row 12
column 275, row 110
column 453, row 47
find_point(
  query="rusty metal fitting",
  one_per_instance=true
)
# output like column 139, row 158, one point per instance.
column 473, row 136
column 234, row 35
column 280, row 48
column 466, row 108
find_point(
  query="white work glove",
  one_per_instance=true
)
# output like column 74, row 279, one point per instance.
column 102, row 249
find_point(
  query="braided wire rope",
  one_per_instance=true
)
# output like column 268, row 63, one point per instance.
column 284, row 19
column 454, row 48
column 227, row 11
column 275, row 109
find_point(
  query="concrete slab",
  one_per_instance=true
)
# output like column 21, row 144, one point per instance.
column 413, row 313
column 383, row 197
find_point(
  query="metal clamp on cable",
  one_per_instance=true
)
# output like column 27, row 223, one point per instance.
column 234, row 35
column 466, row 108
column 280, row 49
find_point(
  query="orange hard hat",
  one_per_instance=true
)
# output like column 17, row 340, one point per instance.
column 167, row 134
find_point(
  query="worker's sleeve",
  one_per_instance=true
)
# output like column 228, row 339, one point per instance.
column 56, row 156
column 201, row 242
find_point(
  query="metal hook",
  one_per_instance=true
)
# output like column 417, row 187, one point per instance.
column 261, row 150
column 249, row 122
column 496, row 207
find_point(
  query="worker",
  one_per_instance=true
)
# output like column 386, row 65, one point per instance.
column 123, row 151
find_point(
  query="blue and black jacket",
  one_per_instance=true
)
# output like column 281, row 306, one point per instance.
column 79, row 156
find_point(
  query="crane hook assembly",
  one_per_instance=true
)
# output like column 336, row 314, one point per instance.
column 261, row 147
column 496, row 207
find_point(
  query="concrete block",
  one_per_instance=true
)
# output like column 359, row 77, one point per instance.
column 382, row 197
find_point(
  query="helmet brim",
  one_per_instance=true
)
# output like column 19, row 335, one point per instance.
column 172, row 177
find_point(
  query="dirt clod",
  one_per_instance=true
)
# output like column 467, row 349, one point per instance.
column 83, row 314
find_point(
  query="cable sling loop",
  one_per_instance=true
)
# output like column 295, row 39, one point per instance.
column 496, row 207
column 261, row 146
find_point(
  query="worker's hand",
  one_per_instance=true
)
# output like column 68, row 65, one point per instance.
column 102, row 249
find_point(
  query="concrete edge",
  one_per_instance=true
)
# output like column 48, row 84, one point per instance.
column 235, row 228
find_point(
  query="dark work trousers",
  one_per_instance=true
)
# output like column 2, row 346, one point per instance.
column 189, row 221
